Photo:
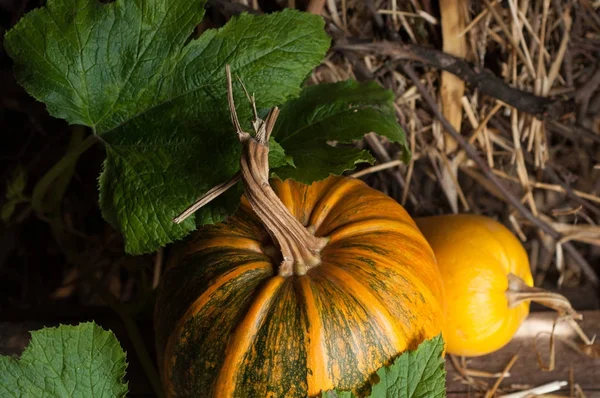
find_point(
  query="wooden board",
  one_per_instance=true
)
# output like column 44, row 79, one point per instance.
column 525, row 372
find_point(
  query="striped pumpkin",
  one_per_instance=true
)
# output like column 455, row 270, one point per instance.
column 229, row 326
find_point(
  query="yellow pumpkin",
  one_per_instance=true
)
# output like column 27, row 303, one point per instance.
column 476, row 256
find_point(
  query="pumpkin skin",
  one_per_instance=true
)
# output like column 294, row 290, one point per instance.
column 227, row 325
column 475, row 254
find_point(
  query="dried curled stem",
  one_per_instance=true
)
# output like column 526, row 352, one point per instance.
column 519, row 292
column 299, row 247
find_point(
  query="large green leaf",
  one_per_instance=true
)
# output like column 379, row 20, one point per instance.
column 67, row 361
column 341, row 112
column 157, row 97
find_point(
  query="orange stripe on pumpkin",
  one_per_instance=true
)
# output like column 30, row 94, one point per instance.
column 227, row 242
column 371, row 225
column 332, row 198
column 194, row 309
column 284, row 192
column 316, row 355
column 244, row 336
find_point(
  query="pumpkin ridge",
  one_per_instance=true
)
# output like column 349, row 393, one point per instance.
column 349, row 212
column 284, row 193
column 317, row 376
column 197, row 305
column 329, row 200
column 223, row 242
column 371, row 304
column 243, row 336
column 370, row 225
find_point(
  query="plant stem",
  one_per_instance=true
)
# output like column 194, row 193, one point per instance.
column 132, row 331
column 299, row 247
column 68, row 160
column 519, row 292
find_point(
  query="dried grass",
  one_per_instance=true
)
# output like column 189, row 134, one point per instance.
column 539, row 46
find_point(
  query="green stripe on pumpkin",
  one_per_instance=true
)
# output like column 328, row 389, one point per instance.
column 278, row 355
column 198, row 351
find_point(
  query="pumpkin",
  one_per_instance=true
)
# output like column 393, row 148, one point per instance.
column 305, row 288
column 229, row 325
column 487, row 279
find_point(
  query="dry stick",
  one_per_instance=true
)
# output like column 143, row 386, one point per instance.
column 570, row 192
column 476, row 20
column 480, row 385
column 552, row 359
column 520, row 39
column 421, row 14
column 411, row 164
column 203, row 200
column 483, row 374
column 483, row 124
column 379, row 167
column 584, row 94
column 380, row 152
column 491, row 392
column 580, row 392
column 519, row 292
column 315, row 6
column 510, row 37
column 482, row 164
column 573, row 131
column 571, row 381
column 580, row 197
column 486, row 82
column 542, row 390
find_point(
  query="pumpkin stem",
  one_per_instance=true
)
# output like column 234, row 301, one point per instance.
column 300, row 249
column 518, row 292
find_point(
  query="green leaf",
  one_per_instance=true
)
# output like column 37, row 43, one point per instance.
column 277, row 155
column 414, row 374
column 67, row 361
column 49, row 191
column 341, row 112
column 157, row 96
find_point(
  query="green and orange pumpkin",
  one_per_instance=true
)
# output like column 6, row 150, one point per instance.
column 304, row 289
